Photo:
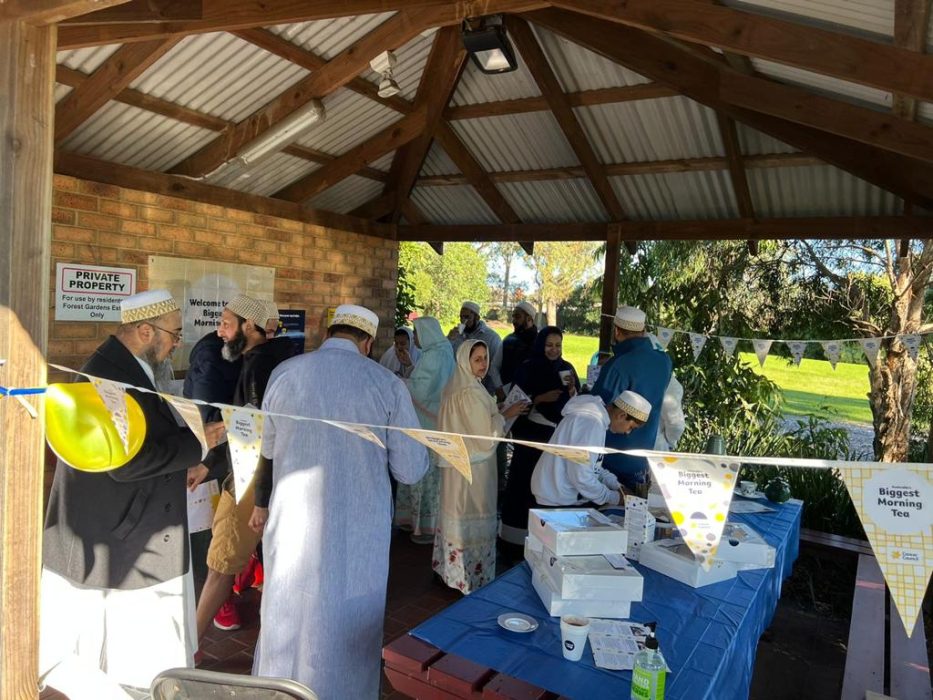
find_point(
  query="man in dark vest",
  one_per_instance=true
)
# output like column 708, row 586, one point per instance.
column 117, row 594
column 516, row 347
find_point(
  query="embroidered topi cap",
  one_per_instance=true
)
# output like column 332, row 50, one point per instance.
column 635, row 405
column 356, row 316
column 251, row 309
column 527, row 307
column 146, row 305
column 630, row 318
column 471, row 305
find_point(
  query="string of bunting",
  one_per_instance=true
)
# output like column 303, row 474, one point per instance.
column 893, row 500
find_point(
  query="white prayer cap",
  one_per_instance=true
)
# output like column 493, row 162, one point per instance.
column 635, row 405
column 251, row 309
column 356, row 316
column 527, row 307
column 471, row 305
column 146, row 305
column 630, row 318
column 272, row 311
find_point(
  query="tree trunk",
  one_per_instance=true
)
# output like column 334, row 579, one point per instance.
column 551, row 312
column 505, row 285
column 894, row 377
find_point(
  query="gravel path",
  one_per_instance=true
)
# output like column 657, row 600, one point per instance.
column 861, row 435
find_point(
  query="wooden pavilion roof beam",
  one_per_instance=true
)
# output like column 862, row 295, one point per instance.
column 810, row 228
column 105, row 83
column 438, row 81
column 228, row 15
column 911, row 18
column 143, row 11
column 842, row 56
column 700, row 80
column 743, row 198
column 50, row 11
column 560, row 106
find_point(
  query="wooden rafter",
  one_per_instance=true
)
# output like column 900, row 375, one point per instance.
column 811, row 228
column 377, row 207
column 438, row 81
column 699, row 80
column 389, row 139
column 550, row 87
column 843, row 56
column 42, row 12
column 105, row 83
column 584, row 98
column 283, row 48
column 316, row 156
column 143, row 11
column 227, row 15
column 911, row 18
column 743, row 198
column 96, row 170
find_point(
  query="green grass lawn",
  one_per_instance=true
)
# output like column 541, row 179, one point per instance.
column 813, row 387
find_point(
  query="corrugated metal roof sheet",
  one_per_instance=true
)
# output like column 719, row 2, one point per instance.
column 136, row 137
column 476, row 87
column 554, row 201
column 86, row 60
column 755, row 143
column 438, row 162
column 220, row 74
column 667, row 196
column 529, row 141
column 350, row 119
column 347, row 195
column 61, row 91
column 452, row 205
column 817, row 190
column 840, row 89
column 328, row 37
column 870, row 16
column 660, row 129
column 265, row 177
column 383, row 163
column 579, row 69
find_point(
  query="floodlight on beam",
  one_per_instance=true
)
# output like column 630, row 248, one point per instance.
column 485, row 40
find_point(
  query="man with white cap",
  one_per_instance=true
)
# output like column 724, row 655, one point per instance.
column 638, row 366
column 516, row 347
column 558, row 481
column 326, row 543
column 472, row 327
column 117, row 591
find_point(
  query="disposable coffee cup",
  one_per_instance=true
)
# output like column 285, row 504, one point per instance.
column 566, row 376
column 573, row 632
column 747, row 488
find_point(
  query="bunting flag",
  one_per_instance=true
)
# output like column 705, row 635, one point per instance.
column 894, row 506
column 797, row 349
column 911, row 341
column 189, row 412
column 698, row 493
column 244, row 433
column 450, row 448
column 832, row 349
column 697, row 341
column 580, row 455
column 762, row 346
column 359, row 430
column 728, row 344
column 114, row 397
column 664, row 336
column 870, row 347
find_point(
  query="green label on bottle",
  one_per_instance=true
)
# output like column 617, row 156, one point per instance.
column 647, row 685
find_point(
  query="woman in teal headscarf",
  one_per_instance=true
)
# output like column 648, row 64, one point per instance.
column 416, row 506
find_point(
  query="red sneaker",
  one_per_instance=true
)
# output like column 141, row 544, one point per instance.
column 227, row 618
column 244, row 579
column 258, row 575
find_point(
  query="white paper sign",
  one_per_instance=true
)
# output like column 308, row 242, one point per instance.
column 833, row 350
column 244, row 433
column 899, row 500
column 870, row 347
column 728, row 344
column 592, row 374
column 697, row 341
column 114, row 397
column 91, row 292
column 188, row 410
column 201, row 504
column 515, row 396
column 762, row 346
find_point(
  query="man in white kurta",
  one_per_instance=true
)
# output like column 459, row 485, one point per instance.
column 326, row 542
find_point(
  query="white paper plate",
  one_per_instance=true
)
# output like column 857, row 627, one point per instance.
column 517, row 622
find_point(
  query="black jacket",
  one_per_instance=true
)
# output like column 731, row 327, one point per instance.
column 516, row 348
column 210, row 377
column 126, row 528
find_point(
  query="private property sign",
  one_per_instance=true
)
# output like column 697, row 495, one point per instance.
column 91, row 292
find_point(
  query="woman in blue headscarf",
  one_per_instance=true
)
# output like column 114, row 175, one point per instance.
column 416, row 506
column 550, row 381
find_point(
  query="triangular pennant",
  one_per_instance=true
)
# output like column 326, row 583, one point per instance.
column 574, row 454
column 762, row 346
column 114, row 397
column 797, row 349
column 870, row 347
column 244, row 433
column 664, row 336
column 358, row 430
column 698, row 491
column 697, row 341
column 833, row 350
column 894, row 505
column 728, row 344
column 189, row 412
column 911, row 341
column 449, row 446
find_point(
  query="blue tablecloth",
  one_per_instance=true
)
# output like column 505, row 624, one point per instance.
column 708, row 635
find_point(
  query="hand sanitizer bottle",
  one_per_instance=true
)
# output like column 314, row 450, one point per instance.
column 648, row 673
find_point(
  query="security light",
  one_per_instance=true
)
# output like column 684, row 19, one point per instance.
column 489, row 47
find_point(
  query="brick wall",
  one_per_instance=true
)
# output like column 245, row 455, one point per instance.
column 315, row 267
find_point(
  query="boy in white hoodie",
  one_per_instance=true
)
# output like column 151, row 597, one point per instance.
column 561, row 482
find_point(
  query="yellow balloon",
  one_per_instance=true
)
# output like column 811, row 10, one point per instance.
column 80, row 431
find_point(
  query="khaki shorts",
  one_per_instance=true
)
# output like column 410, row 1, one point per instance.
column 232, row 539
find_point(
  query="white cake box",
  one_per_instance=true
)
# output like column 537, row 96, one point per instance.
column 640, row 525
column 586, row 577
column 740, row 544
column 576, row 531
column 557, row 606
column 673, row 558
